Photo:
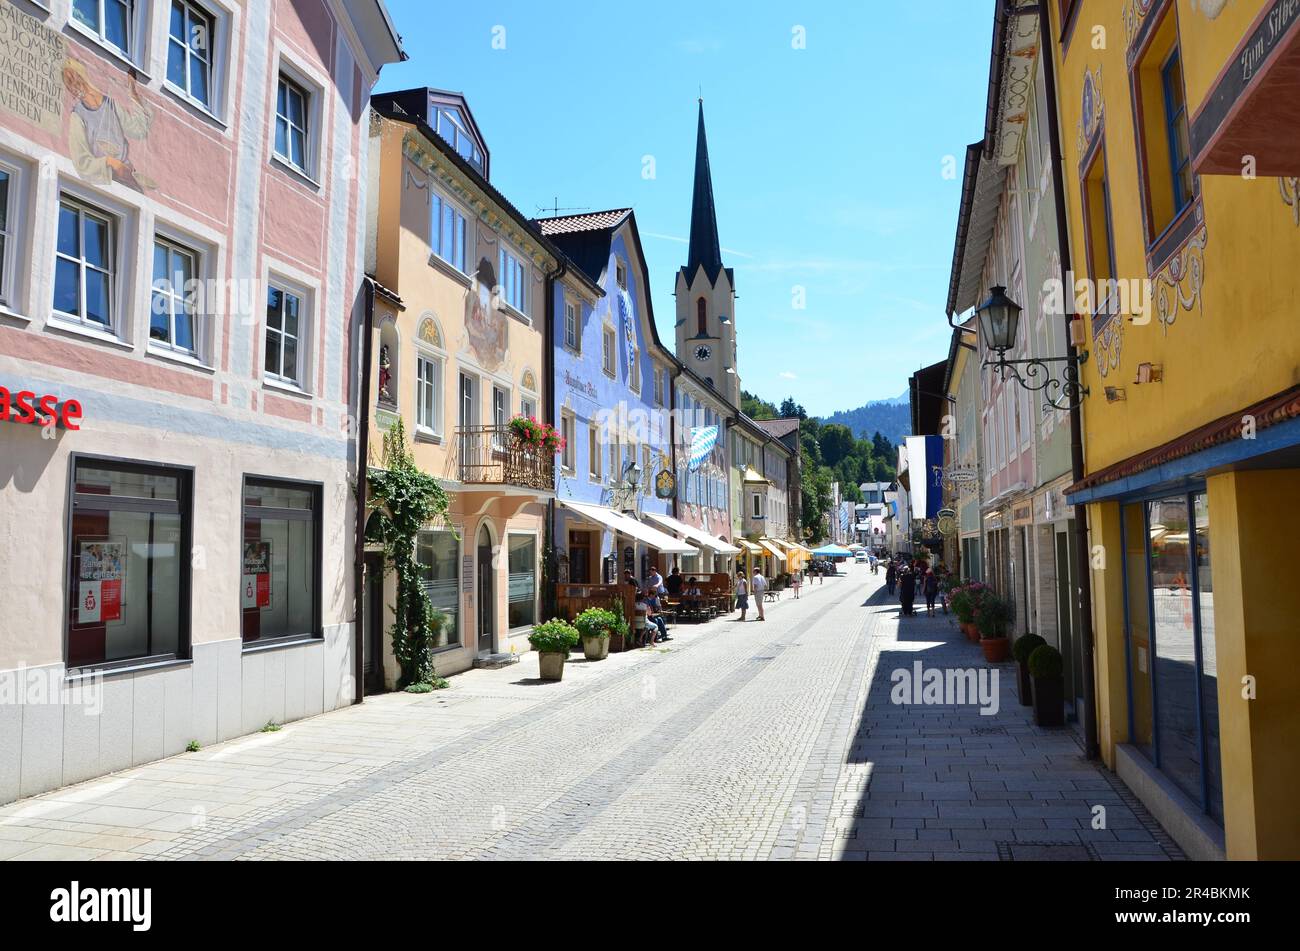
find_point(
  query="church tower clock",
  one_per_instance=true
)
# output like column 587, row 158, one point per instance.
column 706, row 294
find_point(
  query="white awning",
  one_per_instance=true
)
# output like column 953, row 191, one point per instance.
column 780, row 555
column 625, row 525
column 694, row 534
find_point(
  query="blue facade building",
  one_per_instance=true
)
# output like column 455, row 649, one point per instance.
column 612, row 392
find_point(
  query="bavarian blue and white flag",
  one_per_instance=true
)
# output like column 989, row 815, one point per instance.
column 702, row 442
column 925, row 463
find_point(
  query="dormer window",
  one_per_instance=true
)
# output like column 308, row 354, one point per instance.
column 451, row 125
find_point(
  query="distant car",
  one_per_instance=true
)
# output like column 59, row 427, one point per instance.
column 860, row 557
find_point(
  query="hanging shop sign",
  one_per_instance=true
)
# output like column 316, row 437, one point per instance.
column 257, row 575
column 28, row 408
column 100, row 574
column 665, row 484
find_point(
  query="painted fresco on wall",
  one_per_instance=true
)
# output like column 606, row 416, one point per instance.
column 58, row 93
column 486, row 328
column 101, row 129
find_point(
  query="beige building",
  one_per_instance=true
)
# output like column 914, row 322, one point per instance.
column 458, row 349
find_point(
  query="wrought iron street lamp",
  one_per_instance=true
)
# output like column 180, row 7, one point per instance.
column 999, row 323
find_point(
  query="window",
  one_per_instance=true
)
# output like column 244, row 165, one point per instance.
column 527, row 408
column 190, row 33
column 1180, row 160
column 468, row 399
column 1168, row 186
column 758, row 505
column 500, row 407
column 438, row 555
column 571, row 338
column 129, row 566
column 567, row 424
column 291, row 123
column 447, row 232
column 113, row 21
column 171, row 314
column 6, row 235
column 660, row 375
column 593, row 452
column 428, row 394
column 452, row 126
column 634, row 370
column 84, row 266
column 1172, row 673
column 512, row 276
column 620, row 274
column 522, row 609
column 284, row 329
column 1097, row 229
column 281, row 584
column 702, row 317
column 607, row 351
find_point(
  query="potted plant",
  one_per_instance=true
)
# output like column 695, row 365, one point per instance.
column 1045, row 667
column 994, row 619
column 553, row 641
column 538, row 436
column 965, row 601
column 594, row 627
column 618, row 633
column 1025, row 645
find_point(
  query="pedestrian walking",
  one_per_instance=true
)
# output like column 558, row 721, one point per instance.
column 907, row 590
column 759, row 587
column 742, row 593
column 891, row 577
column 930, row 585
column 796, row 582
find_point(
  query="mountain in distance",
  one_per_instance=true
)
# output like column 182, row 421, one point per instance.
column 893, row 418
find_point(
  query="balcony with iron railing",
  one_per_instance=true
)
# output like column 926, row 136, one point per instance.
column 493, row 455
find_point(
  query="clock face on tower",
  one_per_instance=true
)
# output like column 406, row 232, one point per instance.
column 703, row 353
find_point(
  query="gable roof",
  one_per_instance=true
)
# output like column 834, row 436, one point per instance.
column 780, row 427
column 586, row 240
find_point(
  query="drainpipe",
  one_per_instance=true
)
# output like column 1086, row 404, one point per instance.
column 1091, row 744
column 363, row 456
column 548, row 415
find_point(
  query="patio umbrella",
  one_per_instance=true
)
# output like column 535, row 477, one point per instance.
column 832, row 551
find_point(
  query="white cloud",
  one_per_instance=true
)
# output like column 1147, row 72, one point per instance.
column 787, row 375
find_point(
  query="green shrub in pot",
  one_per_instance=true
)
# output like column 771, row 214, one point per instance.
column 1025, row 645
column 554, row 637
column 595, row 622
column 1045, row 663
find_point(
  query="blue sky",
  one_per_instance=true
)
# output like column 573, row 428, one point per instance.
column 827, row 160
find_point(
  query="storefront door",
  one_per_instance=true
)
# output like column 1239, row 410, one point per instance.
column 487, row 591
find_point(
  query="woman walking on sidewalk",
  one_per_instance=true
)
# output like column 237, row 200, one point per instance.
column 930, row 585
column 742, row 593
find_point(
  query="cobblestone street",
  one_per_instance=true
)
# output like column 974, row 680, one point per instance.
column 764, row 740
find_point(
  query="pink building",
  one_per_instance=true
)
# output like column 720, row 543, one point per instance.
column 181, row 295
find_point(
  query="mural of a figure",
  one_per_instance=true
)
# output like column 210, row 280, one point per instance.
column 101, row 129
column 485, row 325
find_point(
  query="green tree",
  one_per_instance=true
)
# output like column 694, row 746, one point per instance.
column 837, row 442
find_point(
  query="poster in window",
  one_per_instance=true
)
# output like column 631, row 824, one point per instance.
column 256, row 584
column 100, row 574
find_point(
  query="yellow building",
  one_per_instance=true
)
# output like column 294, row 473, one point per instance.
column 458, row 348
column 1180, row 143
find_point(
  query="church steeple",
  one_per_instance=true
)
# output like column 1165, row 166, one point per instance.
column 704, row 247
